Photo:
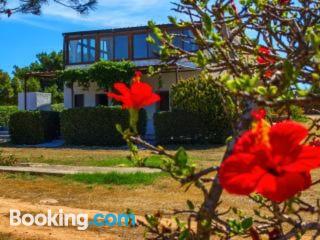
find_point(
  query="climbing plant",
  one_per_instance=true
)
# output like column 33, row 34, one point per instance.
column 104, row 73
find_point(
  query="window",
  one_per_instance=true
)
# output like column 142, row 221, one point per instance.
column 189, row 41
column 101, row 99
column 121, row 47
column 78, row 100
column 82, row 50
column 164, row 104
column 106, row 48
column 74, row 51
column 89, row 50
column 140, row 46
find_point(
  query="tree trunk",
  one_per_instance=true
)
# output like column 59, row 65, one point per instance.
column 207, row 210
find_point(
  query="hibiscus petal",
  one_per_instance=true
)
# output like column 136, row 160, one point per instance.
column 239, row 174
column 122, row 89
column 305, row 158
column 283, row 187
column 245, row 143
column 115, row 96
column 151, row 100
column 286, row 136
column 140, row 92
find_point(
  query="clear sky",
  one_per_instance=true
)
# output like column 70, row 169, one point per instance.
column 23, row 36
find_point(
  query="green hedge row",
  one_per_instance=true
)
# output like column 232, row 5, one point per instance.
column 33, row 127
column 5, row 112
column 185, row 127
column 95, row 126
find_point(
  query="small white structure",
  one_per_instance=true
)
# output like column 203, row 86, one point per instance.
column 34, row 101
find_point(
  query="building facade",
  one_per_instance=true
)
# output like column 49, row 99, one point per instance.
column 84, row 48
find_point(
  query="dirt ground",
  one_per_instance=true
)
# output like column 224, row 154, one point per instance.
column 27, row 193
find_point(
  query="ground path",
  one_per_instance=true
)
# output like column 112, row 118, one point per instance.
column 64, row 170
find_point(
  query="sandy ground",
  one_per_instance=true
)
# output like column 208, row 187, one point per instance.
column 58, row 233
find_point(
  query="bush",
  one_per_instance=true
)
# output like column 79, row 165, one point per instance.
column 95, row 126
column 201, row 103
column 185, row 127
column 5, row 112
column 33, row 127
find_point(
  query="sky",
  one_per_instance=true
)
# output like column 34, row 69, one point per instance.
column 24, row 36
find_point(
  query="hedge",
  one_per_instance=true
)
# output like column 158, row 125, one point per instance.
column 200, row 102
column 5, row 112
column 95, row 126
column 34, row 127
column 185, row 127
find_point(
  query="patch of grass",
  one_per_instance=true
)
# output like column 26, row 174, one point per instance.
column 115, row 178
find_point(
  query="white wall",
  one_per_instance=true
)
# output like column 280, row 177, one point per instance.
column 35, row 101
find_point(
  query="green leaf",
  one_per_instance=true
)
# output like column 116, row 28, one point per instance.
column 150, row 40
column 261, row 90
column 190, row 205
column 119, row 128
column 184, row 235
column 181, row 157
column 247, row 223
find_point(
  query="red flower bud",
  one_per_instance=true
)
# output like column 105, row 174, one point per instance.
column 259, row 114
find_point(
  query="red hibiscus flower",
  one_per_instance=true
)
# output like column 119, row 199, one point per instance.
column 266, row 60
column 139, row 95
column 271, row 161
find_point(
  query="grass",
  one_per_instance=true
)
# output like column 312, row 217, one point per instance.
column 104, row 157
column 114, row 178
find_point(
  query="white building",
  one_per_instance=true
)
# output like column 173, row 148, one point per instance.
column 84, row 48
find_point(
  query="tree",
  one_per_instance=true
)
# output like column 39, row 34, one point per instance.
column 34, row 6
column 56, row 94
column 263, row 53
column 52, row 61
column 6, row 91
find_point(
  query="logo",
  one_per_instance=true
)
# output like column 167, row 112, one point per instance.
column 61, row 219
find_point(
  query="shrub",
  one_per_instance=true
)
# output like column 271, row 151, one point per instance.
column 95, row 126
column 5, row 112
column 202, row 105
column 33, row 127
column 185, row 127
